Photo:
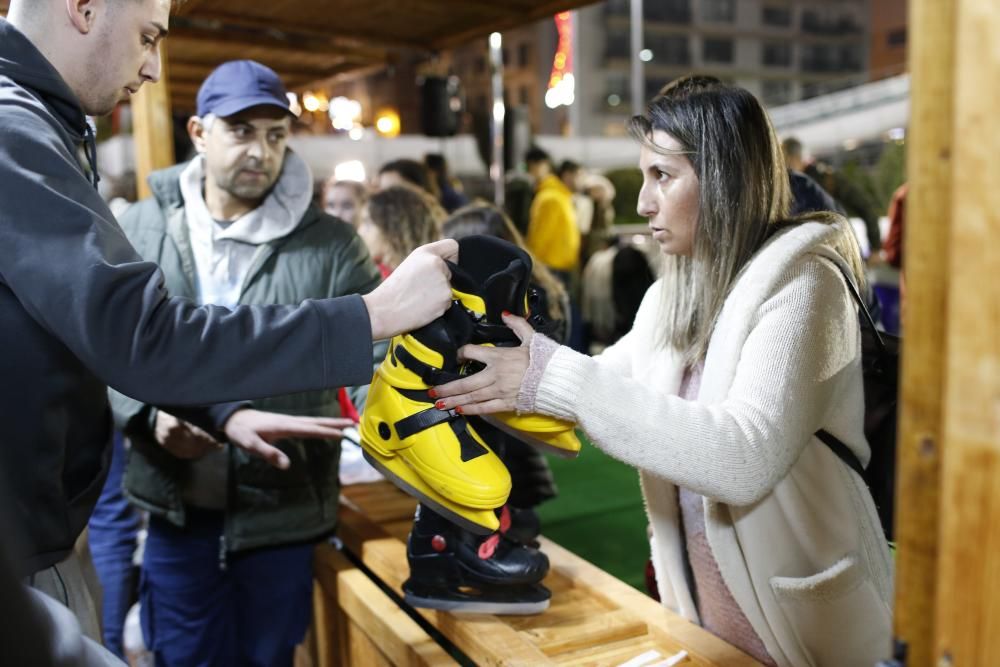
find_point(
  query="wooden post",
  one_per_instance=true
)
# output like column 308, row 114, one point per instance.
column 152, row 128
column 928, row 207
column 968, row 609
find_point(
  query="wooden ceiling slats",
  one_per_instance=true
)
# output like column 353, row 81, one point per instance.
column 315, row 42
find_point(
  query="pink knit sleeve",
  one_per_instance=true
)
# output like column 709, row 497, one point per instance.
column 541, row 350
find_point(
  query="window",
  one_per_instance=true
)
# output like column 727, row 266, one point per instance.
column 777, row 16
column 654, row 86
column 717, row 50
column 669, row 49
column 832, row 58
column 523, row 54
column 897, row 38
column 617, row 45
column 667, row 11
column 829, row 21
column 720, row 11
column 777, row 92
column 617, row 8
column 777, row 54
column 664, row 11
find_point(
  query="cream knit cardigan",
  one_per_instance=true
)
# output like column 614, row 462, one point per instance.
column 793, row 529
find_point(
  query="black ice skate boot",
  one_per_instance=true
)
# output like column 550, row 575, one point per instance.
column 454, row 570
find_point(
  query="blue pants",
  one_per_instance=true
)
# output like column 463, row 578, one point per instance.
column 194, row 613
column 113, row 529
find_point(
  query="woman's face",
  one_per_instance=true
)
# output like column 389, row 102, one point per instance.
column 342, row 203
column 372, row 236
column 669, row 197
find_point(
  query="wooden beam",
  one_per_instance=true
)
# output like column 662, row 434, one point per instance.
column 153, row 128
column 968, row 611
column 280, row 33
column 182, row 38
column 928, row 208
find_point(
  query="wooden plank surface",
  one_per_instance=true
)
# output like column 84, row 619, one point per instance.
column 968, row 609
column 368, row 619
column 593, row 619
column 927, row 234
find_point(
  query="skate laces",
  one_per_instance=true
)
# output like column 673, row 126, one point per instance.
column 489, row 546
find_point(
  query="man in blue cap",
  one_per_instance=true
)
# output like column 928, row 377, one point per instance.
column 227, row 571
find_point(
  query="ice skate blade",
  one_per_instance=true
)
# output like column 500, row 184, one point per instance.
column 541, row 444
column 477, row 522
column 466, row 604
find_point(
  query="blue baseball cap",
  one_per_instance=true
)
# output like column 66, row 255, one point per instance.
column 238, row 85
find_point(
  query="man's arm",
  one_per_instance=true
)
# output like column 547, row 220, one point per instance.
column 72, row 269
column 356, row 273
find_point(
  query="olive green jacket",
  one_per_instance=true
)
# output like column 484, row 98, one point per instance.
column 322, row 257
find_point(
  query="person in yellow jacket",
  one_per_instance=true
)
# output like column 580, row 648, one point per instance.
column 553, row 235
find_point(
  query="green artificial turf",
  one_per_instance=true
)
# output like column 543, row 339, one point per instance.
column 598, row 514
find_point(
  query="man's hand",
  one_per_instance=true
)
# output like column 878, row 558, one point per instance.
column 416, row 293
column 183, row 440
column 253, row 430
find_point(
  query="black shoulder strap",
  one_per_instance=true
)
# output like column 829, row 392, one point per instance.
column 839, row 448
column 842, row 452
column 862, row 306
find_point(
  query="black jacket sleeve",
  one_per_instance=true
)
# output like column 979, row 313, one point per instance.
column 71, row 268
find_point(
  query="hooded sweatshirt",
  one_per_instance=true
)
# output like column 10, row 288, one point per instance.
column 80, row 310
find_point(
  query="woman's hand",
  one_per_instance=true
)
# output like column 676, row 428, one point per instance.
column 495, row 388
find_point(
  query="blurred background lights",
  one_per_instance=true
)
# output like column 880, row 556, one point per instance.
column 351, row 170
column 387, row 122
column 344, row 113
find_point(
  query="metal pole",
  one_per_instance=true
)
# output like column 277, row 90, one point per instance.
column 573, row 112
column 497, row 118
column 638, row 78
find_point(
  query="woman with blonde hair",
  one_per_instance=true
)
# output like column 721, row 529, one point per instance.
column 397, row 220
column 745, row 349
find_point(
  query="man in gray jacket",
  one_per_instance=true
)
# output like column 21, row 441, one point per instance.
column 236, row 225
column 82, row 310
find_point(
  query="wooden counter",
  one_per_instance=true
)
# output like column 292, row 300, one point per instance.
column 593, row 619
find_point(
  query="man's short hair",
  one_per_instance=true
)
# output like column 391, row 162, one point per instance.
column 411, row 171
column 536, row 155
column 567, row 167
column 791, row 147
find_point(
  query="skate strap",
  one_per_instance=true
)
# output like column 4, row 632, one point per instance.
column 429, row 374
column 425, row 419
column 499, row 334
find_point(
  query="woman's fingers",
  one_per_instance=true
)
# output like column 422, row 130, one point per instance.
column 487, row 407
column 463, row 386
column 519, row 326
